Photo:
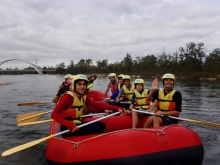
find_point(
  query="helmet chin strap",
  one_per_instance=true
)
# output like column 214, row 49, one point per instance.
column 79, row 93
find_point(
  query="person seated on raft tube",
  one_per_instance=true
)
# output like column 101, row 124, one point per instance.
column 139, row 101
column 112, row 84
column 115, row 94
column 169, row 102
column 90, row 85
column 91, row 79
column 63, row 88
column 125, row 94
column 69, row 108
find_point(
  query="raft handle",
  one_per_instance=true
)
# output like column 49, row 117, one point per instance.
column 76, row 145
column 160, row 133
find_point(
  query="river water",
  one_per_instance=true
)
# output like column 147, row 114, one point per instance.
column 200, row 102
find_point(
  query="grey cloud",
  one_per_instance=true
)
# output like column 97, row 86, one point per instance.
column 73, row 30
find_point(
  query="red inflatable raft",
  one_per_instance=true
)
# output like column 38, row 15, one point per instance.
column 167, row 145
column 96, row 96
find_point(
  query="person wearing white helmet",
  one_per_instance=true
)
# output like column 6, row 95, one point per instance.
column 69, row 108
column 118, row 88
column 120, row 80
column 139, row 101
column 169, row 102
column 63, row 88
column 111, row 100
column 112, row 84
column 125, row 93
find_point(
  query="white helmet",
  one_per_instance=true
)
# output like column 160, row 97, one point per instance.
column 76, row 78
column 168, row 76
column 126, row 77
column 139, row 81
column 120, row 76
column 112, row 75
column 67, row 76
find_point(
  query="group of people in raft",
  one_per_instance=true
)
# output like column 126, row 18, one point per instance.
column 71, row 100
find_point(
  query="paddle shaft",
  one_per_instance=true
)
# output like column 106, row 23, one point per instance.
column 189, row 120
column 30, row 117
column 111, row 100
column 95, row 114
column 85, row 124
column 33, row 103
column 50, row 120
column 33, row 143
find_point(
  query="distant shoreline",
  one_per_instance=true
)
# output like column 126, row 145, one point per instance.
column 196, row 76
column 191, row 76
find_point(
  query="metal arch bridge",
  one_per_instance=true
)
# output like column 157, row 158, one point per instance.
column 37, row 68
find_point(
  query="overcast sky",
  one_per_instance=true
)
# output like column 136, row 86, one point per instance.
column 56, row 31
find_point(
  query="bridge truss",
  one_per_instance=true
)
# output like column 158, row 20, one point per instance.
column 37, row 68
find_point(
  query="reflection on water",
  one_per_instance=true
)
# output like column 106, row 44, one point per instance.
column 200, row 102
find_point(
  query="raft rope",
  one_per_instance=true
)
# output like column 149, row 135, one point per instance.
column 76, row 144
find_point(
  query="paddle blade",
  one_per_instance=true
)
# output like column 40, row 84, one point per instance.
column 43, row 121
column 1, row 82
column 30, row 144
column 26, row 145
column 35, row 122
column 29, row 117
column 205, row 123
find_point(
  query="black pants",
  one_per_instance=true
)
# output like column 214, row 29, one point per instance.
column 168, row 121
column 94, row 128
column 125, row 105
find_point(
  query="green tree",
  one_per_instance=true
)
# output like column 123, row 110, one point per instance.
column 212, row 62
column 117, row 68
column 127, row 64
column 71, row 68
column 149, row 63
column 191, row 57
column 102, row 65
column 60, row 68
column 81, row 63
column 88, row 62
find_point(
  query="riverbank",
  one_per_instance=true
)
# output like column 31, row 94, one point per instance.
column 201, row 76
column 198, row 76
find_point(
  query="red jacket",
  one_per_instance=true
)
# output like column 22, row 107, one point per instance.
column 67, row 100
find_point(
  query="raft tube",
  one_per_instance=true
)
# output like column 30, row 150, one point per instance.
column 169, row 145
column 96, row 96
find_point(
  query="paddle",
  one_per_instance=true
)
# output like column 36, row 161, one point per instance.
column 1, row 82
column 35, row 142
column 32, row 116
column 107, row 100
column 29, row 117
column 50, row 120
column 35, row 122
column 189, row 120
column 33, row 103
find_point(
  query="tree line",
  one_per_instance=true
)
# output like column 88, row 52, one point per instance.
column 186, row 60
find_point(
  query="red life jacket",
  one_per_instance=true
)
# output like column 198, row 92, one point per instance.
column 113, row 86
